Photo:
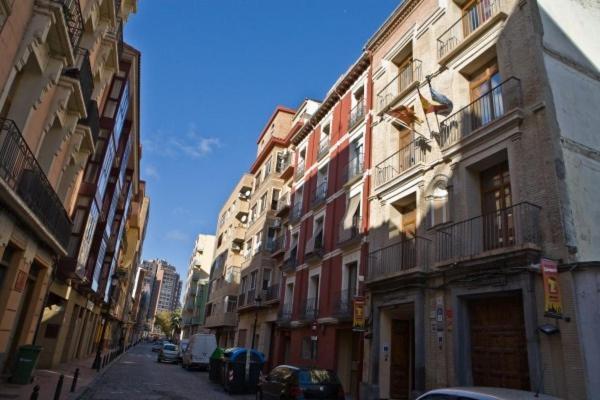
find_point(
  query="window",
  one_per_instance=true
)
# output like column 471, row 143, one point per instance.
column 274, row 199
column 318, row 232
column 266, row 279
column 253, row 277
column 289, row 293
column 248, row 249
column 309, row 348
column 257, row 179
column 282, row 159
column 253, row 213
column 244, row 285
column 439, row 205
column 263, row 203
column 268, row 166
column 489, row 104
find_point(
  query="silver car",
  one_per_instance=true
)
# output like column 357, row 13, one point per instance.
column 483, row 393
column 168, row 353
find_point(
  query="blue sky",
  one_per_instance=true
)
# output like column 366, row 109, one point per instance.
column 212, row 73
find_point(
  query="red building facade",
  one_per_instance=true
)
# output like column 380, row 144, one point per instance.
column 326, row 251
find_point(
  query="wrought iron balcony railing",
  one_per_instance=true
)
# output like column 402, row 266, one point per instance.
column 342, row 306
column 398, row 258
column 315, row 247
column 73, row 19
column 283, row 205
column 357, row 114
column 300, row 168
column 482, row 111
column 291, row 262
column 355, row 168
column 296, row 212
column 474, row 17
column 318, row 194
column 405, row 158
column 309, row 310
column 324, row 144
column 285, row 312
column 349, row 233
column 272, row 292
column 21, row 172
column 509, row 228
column 407, row 76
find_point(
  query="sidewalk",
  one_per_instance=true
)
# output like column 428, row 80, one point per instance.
column 47, row 380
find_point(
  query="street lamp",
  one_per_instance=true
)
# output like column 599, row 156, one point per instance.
column 113, row 282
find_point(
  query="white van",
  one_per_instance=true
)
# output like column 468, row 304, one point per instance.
column 199, row 350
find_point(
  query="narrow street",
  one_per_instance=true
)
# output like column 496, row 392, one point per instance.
column 137, row 375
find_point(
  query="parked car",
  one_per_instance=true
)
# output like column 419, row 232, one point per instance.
column 157, row 346
column 483, row 393
column 289, row 382
column 168, row 353
column 199, row 350
column 182, row 347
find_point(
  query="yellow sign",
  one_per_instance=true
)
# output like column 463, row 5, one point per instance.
column 552, row 303
column 358, row 323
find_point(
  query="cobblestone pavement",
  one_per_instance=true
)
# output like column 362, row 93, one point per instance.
column 137, row 375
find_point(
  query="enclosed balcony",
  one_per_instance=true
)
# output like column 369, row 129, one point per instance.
column 507, row 230
column 406, row 256
column 480, row 113
column 324, row 145
column 283, row 205
column 277, row 246
column 475, row 19
column 357, row 114
column 407, row 157
column 406, row 79
column 271, row 293
column 342, row 304
column 285, row 167
column 26, row 189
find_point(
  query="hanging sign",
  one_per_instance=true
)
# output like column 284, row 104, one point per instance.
column 552, row 303
column 358, row 323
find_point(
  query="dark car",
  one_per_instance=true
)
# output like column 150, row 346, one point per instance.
column 289, row 382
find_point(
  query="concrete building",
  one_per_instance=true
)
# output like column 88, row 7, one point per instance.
column 224, row 280
column 463, row 208
column 165, row 292
column 59, row 60
column 196, row 285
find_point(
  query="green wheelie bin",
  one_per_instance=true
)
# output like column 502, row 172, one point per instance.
column 27, row 359
column 215, row 366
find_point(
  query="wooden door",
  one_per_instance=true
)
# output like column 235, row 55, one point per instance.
column 400, row 360
column 498, row 343
column 486, row 96
column 496, row 206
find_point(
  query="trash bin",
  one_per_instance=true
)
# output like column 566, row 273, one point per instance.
column 27, row 358
column 234, row 370
column 215, row 366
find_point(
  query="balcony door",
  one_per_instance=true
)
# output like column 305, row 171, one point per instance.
column 486, row 96
column 475, row 13
column 497, row 219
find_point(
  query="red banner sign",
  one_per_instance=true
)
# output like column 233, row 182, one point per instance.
column 552, row 303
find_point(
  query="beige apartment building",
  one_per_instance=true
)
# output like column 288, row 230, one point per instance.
column 224, row 280
column 259, row 293
column 57, row 59
column 465, row 207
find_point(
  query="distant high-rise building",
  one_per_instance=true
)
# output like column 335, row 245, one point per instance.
column 165, row 288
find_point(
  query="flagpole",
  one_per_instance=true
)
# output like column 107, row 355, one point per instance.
column 428, row 78
column 426, row 119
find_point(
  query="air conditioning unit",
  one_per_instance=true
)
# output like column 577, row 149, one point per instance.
column 236, row 247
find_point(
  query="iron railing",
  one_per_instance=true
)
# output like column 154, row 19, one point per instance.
column 82, row 71
column 290, row 263
column 318, row 194
column 283, row 163
column 272, row 292
column 355, row 167
column 352, row 232
column 73, row 20
column 251, row 297
column 407, row 75
column 241, row 299
column 278, row 244
column 21, row 172
column 300, row 168
column 285, row 312
column 357, row 114
column 309, row 310
column 510, row 227
column 399, row 257
column 296, row 212
column 283, row 204
column 482, row 111
column 473, row 18
column 315, row 246
column 342, row 306
column 405, row 158
column 324, row 144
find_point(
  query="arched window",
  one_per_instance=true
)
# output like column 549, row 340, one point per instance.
column 439, row 203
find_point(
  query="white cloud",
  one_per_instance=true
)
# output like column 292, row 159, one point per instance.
column 191, row 144
column 150, row 171
column 176, row 235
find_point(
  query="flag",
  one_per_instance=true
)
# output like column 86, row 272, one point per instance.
column 404, row 114
column 439, row 104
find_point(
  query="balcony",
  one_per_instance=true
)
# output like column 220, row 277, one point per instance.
column 284, row 315
column 271, row 293
column 357, row 115
column 408, row 78
column 410, row 255
column 219, row 319
column 73, row 20
column 283, row 206
column 318, row 194
column 286, row 167
column 476, row 19
column 279, row 246
column 300, row 168
column 291, row 262
column 401, row 161
column 351, row 234
column 309, row 310
column 342, row 306
column 315, row 248
column 21, row 174
column 250, row 298
column 242, row 211
column 473, row 118
column 296, row 213
column 237, row 235
column 354, row 170
column 508, row 230
column 323, row 147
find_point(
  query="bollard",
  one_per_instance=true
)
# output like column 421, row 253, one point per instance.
column 74, row 383
column 35, row 393
column 59, row 386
